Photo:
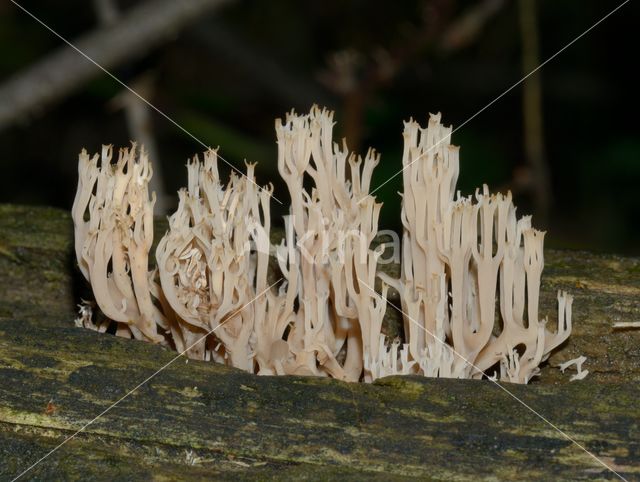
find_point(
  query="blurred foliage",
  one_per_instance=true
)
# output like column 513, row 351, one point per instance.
column 589, row 100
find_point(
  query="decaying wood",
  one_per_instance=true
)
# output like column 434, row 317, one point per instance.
column 202, row 420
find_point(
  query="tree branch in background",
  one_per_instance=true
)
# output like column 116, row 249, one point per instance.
column 466, row 29
column 265, row 72
column 64, row 71
column 140, row 123
column 537, row 181
column 138, row 114
column 357, row 90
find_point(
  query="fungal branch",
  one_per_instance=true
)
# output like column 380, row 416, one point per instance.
column 469, row 281
column 330, row 229
column 456, row 254
column 208, row 271
column 113, row 219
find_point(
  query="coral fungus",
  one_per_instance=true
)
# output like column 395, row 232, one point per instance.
column 457, row 252
column 209, row 296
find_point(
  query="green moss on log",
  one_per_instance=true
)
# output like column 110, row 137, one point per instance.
column 202, row 420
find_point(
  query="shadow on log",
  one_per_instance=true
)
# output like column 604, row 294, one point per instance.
column 199, row 420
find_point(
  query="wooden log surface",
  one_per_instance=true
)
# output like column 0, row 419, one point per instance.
column 197, row 420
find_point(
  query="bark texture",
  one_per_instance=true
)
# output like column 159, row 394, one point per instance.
column 202, row 420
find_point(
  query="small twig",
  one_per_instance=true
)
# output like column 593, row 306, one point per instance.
column 627, row 324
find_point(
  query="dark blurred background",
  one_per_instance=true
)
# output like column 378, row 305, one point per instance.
column 565, row 141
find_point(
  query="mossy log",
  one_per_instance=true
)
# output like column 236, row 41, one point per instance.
column 197, row 420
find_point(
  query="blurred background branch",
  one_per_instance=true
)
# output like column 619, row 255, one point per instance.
column 64, row 71
column 266, row 73
column 568, row 146
column 536, row 174
column 469, row 25
column 138, row 113
column 358, row 77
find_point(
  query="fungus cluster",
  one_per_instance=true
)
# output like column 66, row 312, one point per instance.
column 113, row 230
column 459, row 254
column 209, row 295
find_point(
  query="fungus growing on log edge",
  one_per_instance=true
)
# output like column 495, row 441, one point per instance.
column 469, row 280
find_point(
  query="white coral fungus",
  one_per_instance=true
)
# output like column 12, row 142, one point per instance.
column 210, row 296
